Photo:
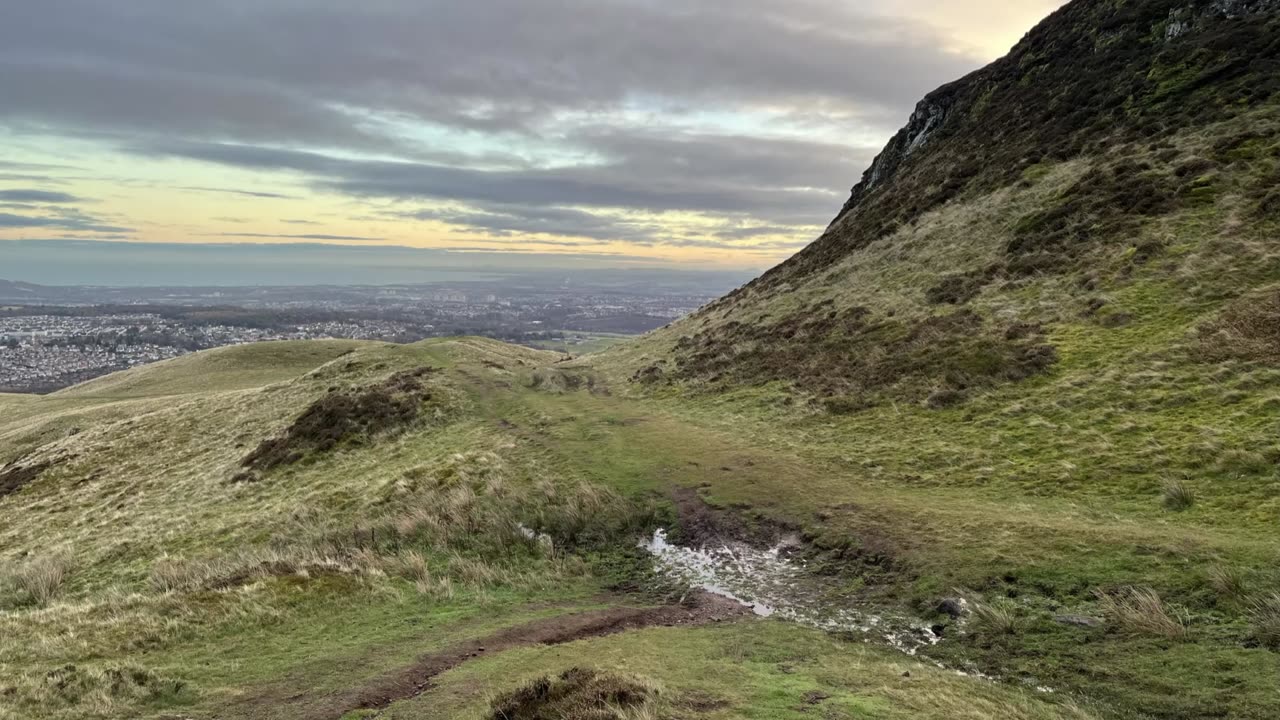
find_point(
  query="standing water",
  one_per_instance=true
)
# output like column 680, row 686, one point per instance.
column 775, row 586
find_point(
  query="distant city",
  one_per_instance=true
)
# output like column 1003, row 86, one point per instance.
column 54, row 337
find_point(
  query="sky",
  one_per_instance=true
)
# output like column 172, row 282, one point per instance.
column 694, row 133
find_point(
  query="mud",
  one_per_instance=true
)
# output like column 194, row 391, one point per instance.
column 412, row 680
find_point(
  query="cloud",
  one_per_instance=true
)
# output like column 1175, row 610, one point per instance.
column 608, row 120
column 37, row 196
column 271, row 71
column 317, row 236
column 791, row 181
column 69, row 221
column 243, row 193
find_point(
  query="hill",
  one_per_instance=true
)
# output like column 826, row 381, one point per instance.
column 1000, row 444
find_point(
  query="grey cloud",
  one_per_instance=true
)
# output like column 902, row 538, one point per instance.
column 37, row 196
column 352, row 98
column 310, row 236
column 285, row 71
column 66, row 222
column 243, row 193
column 710, row 173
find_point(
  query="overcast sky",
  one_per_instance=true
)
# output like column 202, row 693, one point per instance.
column 706, row 132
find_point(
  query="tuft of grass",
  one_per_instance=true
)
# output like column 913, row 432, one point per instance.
column 37, row 581
column 1229, row 582
column 1140, row 610
column 1264, row 615
column 996, row 619
column 1177, row 496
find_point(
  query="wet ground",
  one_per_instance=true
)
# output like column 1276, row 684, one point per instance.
column 773, row 584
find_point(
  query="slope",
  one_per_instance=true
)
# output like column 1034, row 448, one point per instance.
column 152, row 566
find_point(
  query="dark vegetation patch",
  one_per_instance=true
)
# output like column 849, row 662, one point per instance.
column 850, row 359
column 1247, row 329
column 1107, row 204
column 343, row 415
column 15, row 476
column 960, row 288
column 557, row 380
column 1093, row 76
column 578, row 693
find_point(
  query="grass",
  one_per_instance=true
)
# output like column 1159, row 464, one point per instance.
column 779, row 672
column 1178, row 497
column 1046, row 496
column 1140, row 610
column 996, row 619
column 579, row 693
column 35, row 581
column 1264, row 613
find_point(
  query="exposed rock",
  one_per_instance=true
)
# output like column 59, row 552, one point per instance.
column 953, row 607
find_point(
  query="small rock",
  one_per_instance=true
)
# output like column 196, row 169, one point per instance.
column 813, row 697
column 1077, row 620
column 953, row 607
column 906, row 673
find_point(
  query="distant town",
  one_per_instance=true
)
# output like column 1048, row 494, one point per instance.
column 51, row 338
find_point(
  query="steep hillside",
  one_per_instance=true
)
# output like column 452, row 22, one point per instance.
column 1037, row 352
column 1121, row 147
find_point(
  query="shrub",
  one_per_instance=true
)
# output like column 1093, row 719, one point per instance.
column 580, row 694
column 342, row 415
column 1177, row 496
column 1264, row 614
column 1140, row 610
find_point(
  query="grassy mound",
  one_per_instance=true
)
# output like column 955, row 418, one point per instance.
column 578, row 694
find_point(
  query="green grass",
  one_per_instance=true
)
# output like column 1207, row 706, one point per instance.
column 231, row 368
column 763, row 670
column 1041, row 498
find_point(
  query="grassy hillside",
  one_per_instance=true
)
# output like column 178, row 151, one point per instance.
column 146, row 576
column 1025, row 391
column 1048, row 379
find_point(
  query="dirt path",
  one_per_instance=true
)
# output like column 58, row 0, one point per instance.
column 412, row 680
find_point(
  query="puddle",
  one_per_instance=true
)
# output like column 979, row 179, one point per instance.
column 774, row 585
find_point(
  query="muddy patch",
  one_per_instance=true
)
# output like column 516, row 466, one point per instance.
column 702, row 524
column 15, row 476
column 412, row 680
column 774, row 584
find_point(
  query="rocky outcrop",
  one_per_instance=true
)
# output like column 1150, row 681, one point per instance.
column 930, row 116
column 1085, row 61
column 1185, row 20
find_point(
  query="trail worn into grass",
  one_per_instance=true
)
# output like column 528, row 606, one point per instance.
column 413, row 680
